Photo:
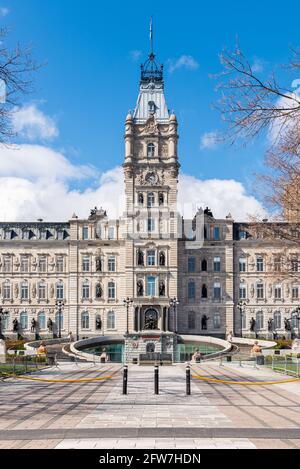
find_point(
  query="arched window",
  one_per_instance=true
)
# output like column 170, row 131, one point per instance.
column 277, row 320
column 24, row 320
column 111, row 320
column 41, row 320
column 111, row 290
column 151, row 107
column 86, row 290
column 59, row 318
column 85, row 320
column 150, row 150
column 192, row 320
column 6, row 290
column 204, row 291
column 60, row 290
column 204, row 265
column 150, row 199
column 259, row 320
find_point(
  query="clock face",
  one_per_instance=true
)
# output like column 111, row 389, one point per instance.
column 151, row 178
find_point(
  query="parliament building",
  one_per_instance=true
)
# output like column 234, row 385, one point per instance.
column 206, row 276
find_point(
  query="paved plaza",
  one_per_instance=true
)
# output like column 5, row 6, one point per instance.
column 95, row 414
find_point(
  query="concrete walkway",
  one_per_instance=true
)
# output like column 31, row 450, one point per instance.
column 97, row 415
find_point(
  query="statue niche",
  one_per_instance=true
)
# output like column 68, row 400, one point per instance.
column 140, row 257
column 162, row 258
column 162, row 288
column 98, row 264
column 252, row 324
column 140, row 288
column 98, row 322
column 204, row 320
column 99, row 291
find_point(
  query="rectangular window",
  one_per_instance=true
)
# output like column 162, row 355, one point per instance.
column 216, row 233
column 217, row 320
column 277, row 292
column 192, row 320
column 217, row 264
column 111, row 291
column 217, row 291
column 191, row 291
column 24, row 264
column 295, row 292
column 151, row 224
column 85, row 232
column 111, row 232
column 277, row 264
column 151, row 258
column 6, row 291
column 111, row 264
column 242, row 291
column 42, row 264
column 42, row 291
column 151, row 286
column 242, row 264
column 59, row 264
column 86, row 291
column 259, row 264
column 86, row 263
column 191, row 264
column 260, row 291
column 7, row 264
column 24, row 291
column 295, row 265
column 60, row 291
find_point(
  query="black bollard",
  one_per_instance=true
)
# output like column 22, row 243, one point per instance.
column 156, row 380
column 188, row 380
column 125, row 379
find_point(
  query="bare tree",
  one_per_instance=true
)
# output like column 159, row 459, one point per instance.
column 251, row 106
column 16, row 79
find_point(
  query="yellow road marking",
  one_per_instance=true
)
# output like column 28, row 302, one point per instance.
column 46, row 380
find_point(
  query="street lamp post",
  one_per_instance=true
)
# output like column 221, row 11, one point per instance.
column 241, row 306
column 59, row 304
column 297, row 315
column 127, row 302
column 173, row 304
column 3, row 316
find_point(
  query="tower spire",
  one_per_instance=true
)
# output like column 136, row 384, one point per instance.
column 151, row 38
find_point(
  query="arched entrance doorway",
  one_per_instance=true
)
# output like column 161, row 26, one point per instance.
column 151, row 319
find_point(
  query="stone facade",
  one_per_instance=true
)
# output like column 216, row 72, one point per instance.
column 148, row 255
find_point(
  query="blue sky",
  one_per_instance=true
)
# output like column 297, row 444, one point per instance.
column 90, row 79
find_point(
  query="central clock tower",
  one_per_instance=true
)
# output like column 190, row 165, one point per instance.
column 151, row 177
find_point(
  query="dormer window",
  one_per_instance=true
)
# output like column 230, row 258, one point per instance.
column 60, row 234
column 26, row 234
column 150, row 150
column 151, row 107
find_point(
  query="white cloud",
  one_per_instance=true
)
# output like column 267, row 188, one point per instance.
column 135, row 55
column 30, row 122
column 258, row 65
column 184, row 61
column 4, row 11
column 210, row 140
column 220, row 195
column 38, row 182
